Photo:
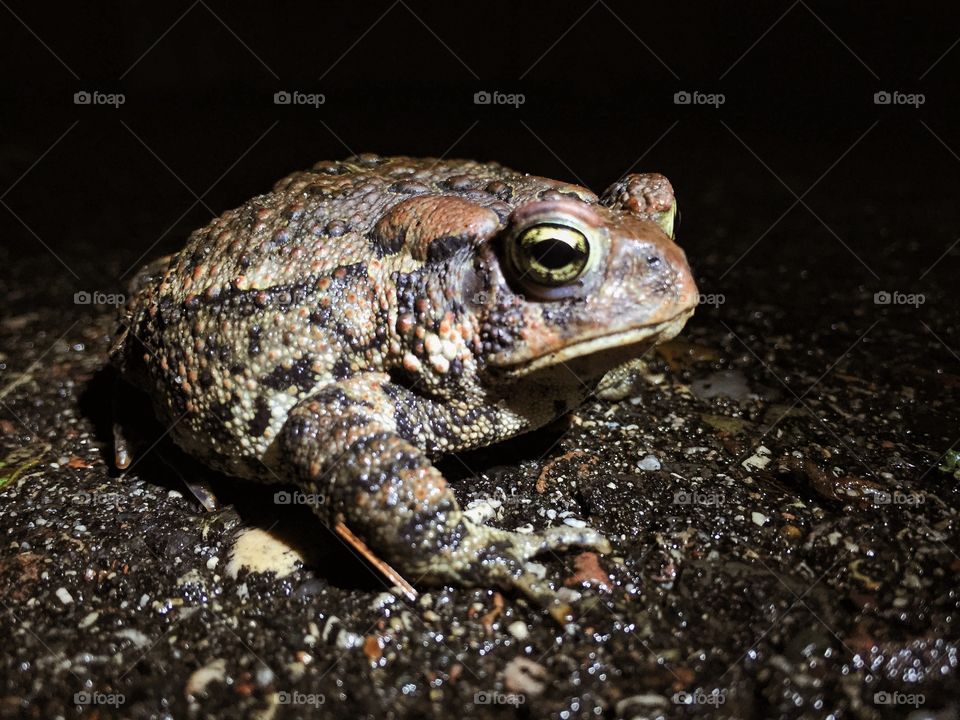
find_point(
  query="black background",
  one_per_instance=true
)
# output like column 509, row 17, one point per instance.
column 105, row 188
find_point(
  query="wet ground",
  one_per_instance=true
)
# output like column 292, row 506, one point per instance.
column 779, row 485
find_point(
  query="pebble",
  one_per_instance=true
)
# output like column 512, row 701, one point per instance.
column 519, row 630
column 791, row 532
column 264, row 675
column 135, row 636
column 759, row 518
column 525, row 676
column 649, row 463
column 258, row 551
column 759, row 460
column 200, row 679
column 347, row 640
column 382, row 600
column 574, row 522
column 64, row 596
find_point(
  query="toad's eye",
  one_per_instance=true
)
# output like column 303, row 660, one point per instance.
column 550, row 254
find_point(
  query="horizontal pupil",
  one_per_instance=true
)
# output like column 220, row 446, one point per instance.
column 555, row 254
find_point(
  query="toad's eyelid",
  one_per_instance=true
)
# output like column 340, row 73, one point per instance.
column 539, row 233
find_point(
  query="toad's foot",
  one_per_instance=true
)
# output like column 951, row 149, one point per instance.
column 345, row 445
column 490, row 556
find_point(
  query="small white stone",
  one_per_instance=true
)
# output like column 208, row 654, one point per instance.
column 212, row 562
column 144, row 599
column 574, row 522
column 758, row 460
column 649, row 463
column 64, row 596
column 519, row 630
column 382, row 600
column 264, row 675
column 332, row 622
column 478, row 511
column 89, row 620
column 348, row 640
column 536, row 569
column 135, row 636
column 759, row 519
column 215, row 671
column 258, row 551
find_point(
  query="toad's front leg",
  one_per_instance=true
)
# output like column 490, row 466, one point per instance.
column 347, row 444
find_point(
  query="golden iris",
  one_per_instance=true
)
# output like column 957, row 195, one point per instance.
column 551, row 254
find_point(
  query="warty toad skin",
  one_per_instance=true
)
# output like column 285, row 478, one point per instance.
column 369, row 315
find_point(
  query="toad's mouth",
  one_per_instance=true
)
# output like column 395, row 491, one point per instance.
column 629, row 343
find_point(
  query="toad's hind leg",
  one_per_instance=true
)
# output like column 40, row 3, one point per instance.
column 344, row 444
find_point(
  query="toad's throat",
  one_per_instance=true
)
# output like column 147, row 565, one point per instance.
column 623, row 344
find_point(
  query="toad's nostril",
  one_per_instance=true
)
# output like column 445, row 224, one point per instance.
column 653, row 260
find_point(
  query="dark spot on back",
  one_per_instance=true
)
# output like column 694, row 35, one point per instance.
column 387, row 245
column 261, row 417
column 253, row 337
column 300, row 374
column 444, row 247
column 341, row 368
